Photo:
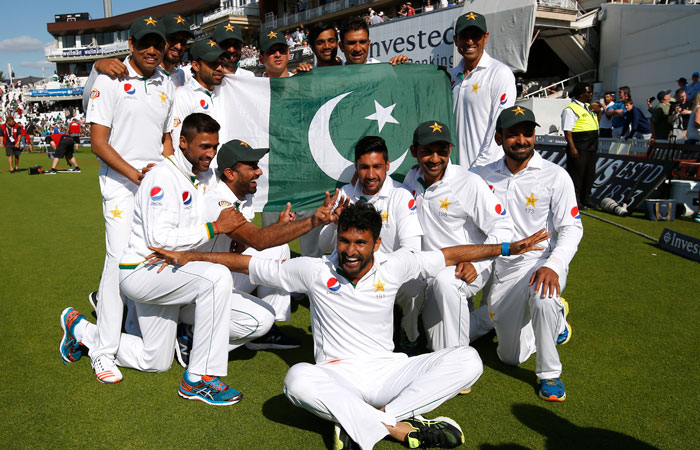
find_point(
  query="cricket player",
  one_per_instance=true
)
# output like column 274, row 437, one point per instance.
column 481, row 88
column 357, row 381
column 129, row 134
column 455, row 207
column 168, row 212
column 524, row 296
column 229, row 36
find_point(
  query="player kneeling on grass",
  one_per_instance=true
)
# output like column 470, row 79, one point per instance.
column 357, row 381
column 524, row 296
column 168, row 212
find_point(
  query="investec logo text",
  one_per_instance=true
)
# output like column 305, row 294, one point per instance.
column 420, row 40
column 678, row 242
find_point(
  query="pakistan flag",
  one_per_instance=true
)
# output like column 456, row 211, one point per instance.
column 312, row 121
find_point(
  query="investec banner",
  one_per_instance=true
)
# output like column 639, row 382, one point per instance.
column 680, row 244
column 82, row 52
column 625, row 179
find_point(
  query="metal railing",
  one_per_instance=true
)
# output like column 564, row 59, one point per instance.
column 247, row 10
column 273, row 22
column 87, row 51
column 614, row 146
column 657, row 2
column 562, row 84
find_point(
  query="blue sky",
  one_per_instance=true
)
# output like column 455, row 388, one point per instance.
column 23, row 34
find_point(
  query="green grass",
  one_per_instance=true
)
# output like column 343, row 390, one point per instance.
column 631, row 370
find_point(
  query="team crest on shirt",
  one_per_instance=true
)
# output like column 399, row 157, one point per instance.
column 503, row 99
column 203, row 103
column 500, row 210
column 412, row 204
column 225, row 204
column 176, row 122
column 157, row 194
column 333, row 284
column 129, row 89
column 187, row 198
column 574, row 213
column 94, row 94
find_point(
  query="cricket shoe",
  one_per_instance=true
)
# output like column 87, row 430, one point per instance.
column 566, row 307
column 210, row 390
column 92, row 298
column 564, row 336
column 183, row 344
column 406, row 345
column 441, row 432
column 552, row 390
column 69, row 348
column 106, row 371
column 342, row 440
column 273, row 340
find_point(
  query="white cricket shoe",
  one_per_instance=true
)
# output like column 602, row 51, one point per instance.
column 106, row 371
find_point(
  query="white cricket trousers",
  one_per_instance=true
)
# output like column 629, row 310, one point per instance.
column 525, row 322
column 158, row 298
column 449, row 316
column 351, row 392
column 118, row 210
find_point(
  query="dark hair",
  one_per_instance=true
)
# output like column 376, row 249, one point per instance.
column 197, row 123
column 628, row 102
column 578, row 89
column 371, row 144
column 318, row 28
column 353, row 24
column 626, row 90
column 610, row 93
column 361, row 216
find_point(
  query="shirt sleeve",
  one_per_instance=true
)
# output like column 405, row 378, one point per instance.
column 161, row 219
column 407, row 222
column 103, row 101
column 567, row 224
column 410, row 264
column 568, row 119
column 291, row 275
column 87, row 89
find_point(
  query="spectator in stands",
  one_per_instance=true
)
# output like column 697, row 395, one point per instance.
column 686, row 106
column 691, row 136
column 11, row 133
column 682, row 83
column 31, row 131
column 606, row 127
column 660, row 126
column 636, row 122
column 403, row 11
column 693, row 88
column 580, row 125
column 411, row 11
column 617, row 111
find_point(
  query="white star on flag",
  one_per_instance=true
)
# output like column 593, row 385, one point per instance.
column 382, row 115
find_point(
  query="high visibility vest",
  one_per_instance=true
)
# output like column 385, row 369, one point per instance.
column 587, row 121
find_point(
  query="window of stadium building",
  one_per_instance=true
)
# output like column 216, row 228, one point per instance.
column 68, row 41
column 86, row 40
column 104, row 38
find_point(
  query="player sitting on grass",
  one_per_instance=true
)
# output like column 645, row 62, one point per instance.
column 357, row 381
column 525, row 304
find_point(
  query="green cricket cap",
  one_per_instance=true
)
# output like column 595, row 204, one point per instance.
column 513, row 116
column 470, row 19
column 237, row 151
column 227, row 30
column 270, row 38
column 431, row 131
column 206, row 50
column 143, row 26
column 175, row 23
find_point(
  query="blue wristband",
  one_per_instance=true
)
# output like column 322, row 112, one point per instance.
column 505, row 249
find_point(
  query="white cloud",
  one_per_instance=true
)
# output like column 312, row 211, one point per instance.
column 36, row 64
column 21, row 44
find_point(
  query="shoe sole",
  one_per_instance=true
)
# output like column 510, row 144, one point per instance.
column 553, row 398
column 66, row 359
column 568, row 337
column 195, row 397
column 251, row 346
column 104, row 377
column 466, row 391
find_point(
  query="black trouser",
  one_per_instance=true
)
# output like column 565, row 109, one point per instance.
column 606, row 132
column 582, row 169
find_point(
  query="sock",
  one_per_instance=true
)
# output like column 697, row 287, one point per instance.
column 79, row 329
column 193, row 377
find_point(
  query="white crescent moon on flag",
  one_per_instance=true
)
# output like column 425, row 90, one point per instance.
column 326, row 156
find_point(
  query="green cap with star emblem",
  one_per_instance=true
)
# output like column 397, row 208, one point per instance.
column 206, row 50
column 431, row 131
column 513, row 116
column 470, row 19
column 270, row 38
column 227, row 30
column 236, row 151
column 175, row 23
column 143, row 26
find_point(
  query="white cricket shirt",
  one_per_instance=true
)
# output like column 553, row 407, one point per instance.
column 539, row 196
column 216, row 199
column 136, row 110
column 399, row 214
column 459, row 209
column 348, row 321
column 168, row 211
column 477, row 100
column 189, row 98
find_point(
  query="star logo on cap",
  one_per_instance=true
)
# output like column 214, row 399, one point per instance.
column 272, row 34
column 150, row 21
column 379, row 286
column 445, row 204
column 436, row 127
column 518, row 110
column 475, row 88
column 470, row 16
column 163, row 97
column 244, row 144
column 211, row 43
column 228, row 27
column 530, row 201
column 179, row 19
